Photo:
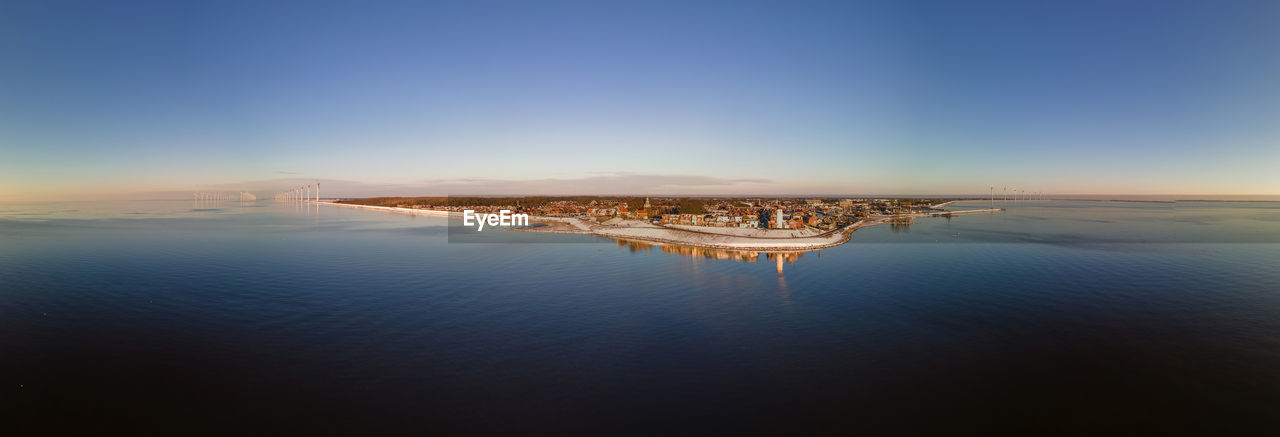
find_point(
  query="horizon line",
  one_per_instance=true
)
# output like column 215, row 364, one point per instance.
column 974, row 196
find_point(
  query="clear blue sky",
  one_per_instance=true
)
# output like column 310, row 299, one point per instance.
column 102, row 99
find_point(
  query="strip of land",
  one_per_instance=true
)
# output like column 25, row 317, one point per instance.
column 700, row 236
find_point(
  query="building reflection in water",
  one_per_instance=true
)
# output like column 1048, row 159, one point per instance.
column 900, row 224
column 751, row 256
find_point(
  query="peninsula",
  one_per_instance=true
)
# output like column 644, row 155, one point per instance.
column 756, row 224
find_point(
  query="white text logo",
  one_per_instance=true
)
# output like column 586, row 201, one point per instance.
column 502, row 218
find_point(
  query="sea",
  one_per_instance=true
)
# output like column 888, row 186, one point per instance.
column 1051, row 317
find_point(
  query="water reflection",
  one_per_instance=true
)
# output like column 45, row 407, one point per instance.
column 900, row 224
column 751, row 256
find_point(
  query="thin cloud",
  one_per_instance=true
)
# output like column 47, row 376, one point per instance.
column 616, row 183
column 603, row 183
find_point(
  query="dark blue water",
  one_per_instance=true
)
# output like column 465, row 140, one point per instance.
column 1092, row 317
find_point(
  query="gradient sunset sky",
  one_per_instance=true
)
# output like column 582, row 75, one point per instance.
column 127, row 99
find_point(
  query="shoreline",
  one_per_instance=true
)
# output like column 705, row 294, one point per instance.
column 410, row 211
column 744, row 243
column 644, row 231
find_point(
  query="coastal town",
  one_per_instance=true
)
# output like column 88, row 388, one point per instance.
column 741, row 223
column 743, row 213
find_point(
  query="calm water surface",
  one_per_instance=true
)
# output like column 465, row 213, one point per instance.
column 1052, row 317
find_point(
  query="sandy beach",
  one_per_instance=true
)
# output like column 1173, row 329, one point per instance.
column 723, row 238
column 427, row 212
